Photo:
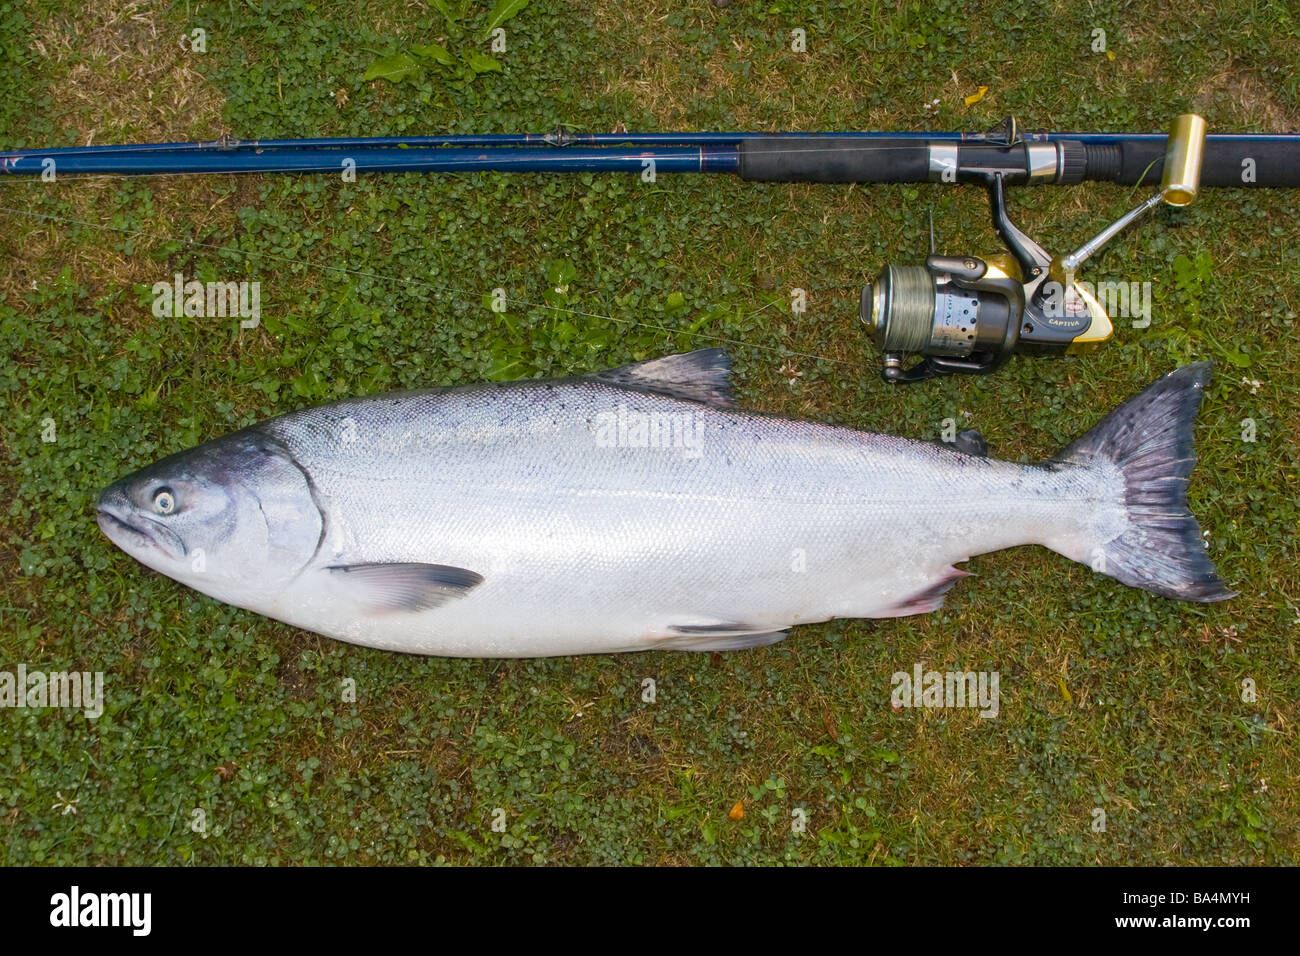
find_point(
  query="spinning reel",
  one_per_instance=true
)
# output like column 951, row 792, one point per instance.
column 965, row 314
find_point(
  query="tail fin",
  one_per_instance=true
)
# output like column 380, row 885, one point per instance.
column 1149, row 438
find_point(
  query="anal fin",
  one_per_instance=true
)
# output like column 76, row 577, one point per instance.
column 929, row 598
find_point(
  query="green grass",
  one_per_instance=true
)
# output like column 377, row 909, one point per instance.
column 1112, row 698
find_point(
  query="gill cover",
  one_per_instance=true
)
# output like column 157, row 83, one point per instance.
column 292, row 518
column 241, row 519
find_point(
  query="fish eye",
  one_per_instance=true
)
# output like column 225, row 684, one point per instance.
column 164, row 502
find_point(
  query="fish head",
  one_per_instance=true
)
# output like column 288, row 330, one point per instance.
column 235, row 518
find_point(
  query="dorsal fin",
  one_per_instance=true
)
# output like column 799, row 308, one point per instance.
column 699, row 376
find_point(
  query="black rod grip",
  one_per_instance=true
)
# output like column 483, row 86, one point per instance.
column 1242, row 163
column 829, row 159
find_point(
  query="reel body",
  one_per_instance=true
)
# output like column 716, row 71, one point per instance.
column 966, row 314
column 969, row 315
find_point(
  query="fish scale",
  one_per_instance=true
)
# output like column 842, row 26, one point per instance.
column 638, row 509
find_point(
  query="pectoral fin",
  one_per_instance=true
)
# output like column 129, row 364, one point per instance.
column 403, row 586
column 718, row 637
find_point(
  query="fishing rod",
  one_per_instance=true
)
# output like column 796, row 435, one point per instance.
column 959, row 314
column 847, row 157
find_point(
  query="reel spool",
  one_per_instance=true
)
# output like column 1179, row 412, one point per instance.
column 964, row 314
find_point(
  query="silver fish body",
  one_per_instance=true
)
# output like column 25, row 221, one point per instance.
column 635, row 510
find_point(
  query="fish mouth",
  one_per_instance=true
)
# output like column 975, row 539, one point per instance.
column 115, row 520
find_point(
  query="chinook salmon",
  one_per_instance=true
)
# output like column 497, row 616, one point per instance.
column 637, row 509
